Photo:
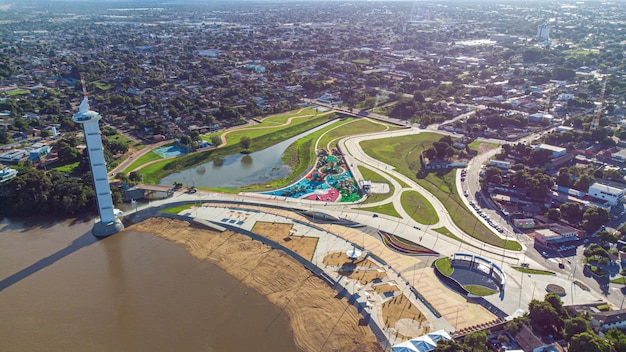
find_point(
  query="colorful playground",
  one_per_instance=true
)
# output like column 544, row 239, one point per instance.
column 329, row 181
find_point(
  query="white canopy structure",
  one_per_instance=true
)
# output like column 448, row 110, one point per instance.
column 405, row 346
column 425, row 343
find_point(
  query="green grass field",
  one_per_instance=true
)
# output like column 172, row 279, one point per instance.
column 142, row 160
column 444, row 266
column 375, row 177
column 269, row 122
column 67, row 168
column 102, row 86
column 444, row 231
column 404, row 154
column 352, row 128
column 479, row 290
column 533, row 271
column 475, row 145
column 419, row 208
column 177, row 209
column 386, row 208
column 18, row 92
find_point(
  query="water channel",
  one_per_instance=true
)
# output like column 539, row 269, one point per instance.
column 241, row 169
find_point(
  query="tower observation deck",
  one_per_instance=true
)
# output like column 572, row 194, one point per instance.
column 108, row 224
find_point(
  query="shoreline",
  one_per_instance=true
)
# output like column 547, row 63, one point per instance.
column 319, row 319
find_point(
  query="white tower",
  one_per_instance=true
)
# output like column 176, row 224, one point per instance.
column 108, row 223
column 543, row 32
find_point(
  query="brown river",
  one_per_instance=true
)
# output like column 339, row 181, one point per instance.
column 63, row 290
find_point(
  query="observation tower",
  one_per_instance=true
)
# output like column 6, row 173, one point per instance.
column 108, row 224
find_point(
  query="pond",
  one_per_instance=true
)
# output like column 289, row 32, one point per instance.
column 241, row 169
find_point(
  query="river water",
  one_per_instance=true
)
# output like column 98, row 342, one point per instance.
column 240, row 169
column 63, row 290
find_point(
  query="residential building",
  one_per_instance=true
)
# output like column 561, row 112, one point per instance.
column 603, row 321
column 555, row 234
column 500, row 164
column 543, row 32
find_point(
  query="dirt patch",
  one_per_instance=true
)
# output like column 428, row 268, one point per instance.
column 400, row 308
column 341, row 258
column 385, row 288
column 285, row 235
column 307, row 300
column 363, row 270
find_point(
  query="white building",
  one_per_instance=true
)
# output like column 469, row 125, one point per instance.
column 612, row 195
column 543, row 32
column 556, row 151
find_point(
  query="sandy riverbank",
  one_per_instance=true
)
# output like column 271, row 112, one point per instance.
column 319, row 320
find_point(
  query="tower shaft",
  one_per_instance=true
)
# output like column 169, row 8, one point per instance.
column 99, row 171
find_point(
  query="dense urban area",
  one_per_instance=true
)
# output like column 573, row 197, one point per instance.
column 540, row 86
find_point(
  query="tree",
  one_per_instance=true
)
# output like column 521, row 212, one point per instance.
column 245, row 142
column 449, row 346
column 588, row 342
column 430, row 153
column 544, row 317
column 557, row 304
column 66, row 151
column 216, row 140
column 570, row 210
column 564, row 179
column 607, row 237
column 575, row 326
column 554, row 214
column 476, row 341
column 5, row 138
column 595, row 217
column 617, row 339
column 135, row 176
column 583, row 182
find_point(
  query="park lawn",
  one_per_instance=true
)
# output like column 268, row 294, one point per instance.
column 102, row 86
column 533, row 271
column 272, row 121
column 67, row 168
column 235, row 136
column 479, row 290
column 444, row 231
column 352, row 128
column 445, row 266
column 375, row 177
column 142, row 160
column 284, row 117
column 404, row 154
column 18, row 92
column 384, row 110
column 154, row 172
column 419, row 208
column 177, row 209
column 475, row 145
column 387, row 209
column 361, row 61
column 126, row 140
